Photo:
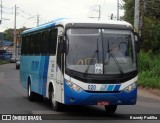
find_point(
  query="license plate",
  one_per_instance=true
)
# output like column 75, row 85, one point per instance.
column 103, row 103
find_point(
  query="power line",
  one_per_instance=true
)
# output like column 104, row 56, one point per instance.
column 26, row 13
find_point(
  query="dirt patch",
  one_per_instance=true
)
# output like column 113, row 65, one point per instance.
column 150, row 90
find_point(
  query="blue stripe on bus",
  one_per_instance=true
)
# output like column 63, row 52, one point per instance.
column 110, row 87
column 41, row 67
column 116, row 88
column 45, row 73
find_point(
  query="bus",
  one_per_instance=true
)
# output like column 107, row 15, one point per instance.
column 81, row 62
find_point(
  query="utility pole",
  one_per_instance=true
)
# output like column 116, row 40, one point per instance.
column 136, row 16
column 99, row 11
column 117, row 9
column 37, row 19
column 14, row 39
column 1, row 12
column 142, row 11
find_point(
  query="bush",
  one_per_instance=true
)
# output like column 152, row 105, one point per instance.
column 149, row 70
column 3, row 62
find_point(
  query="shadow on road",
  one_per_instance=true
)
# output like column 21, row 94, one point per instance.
column 77, row 112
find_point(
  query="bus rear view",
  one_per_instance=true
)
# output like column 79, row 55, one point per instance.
column 95, row 63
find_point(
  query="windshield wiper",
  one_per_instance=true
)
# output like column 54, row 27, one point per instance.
column 115, row 60
column 87, row 69
column 96, row 52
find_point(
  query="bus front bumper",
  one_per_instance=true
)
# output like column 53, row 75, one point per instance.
column 72, row 97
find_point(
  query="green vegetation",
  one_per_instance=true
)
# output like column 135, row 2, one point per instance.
column 150, row 23
column 3, row 62
column 149, row 70
column 149, row 57
column 8, row 33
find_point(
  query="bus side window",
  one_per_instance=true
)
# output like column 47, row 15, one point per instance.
column 36, row 42
column 53, row 41
column 46, row 42
column 27, row 48
column 32, row 45
column 39, row 45
column 23, row 45
column 42, row 39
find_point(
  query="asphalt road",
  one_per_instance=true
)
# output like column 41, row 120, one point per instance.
column 13, row 100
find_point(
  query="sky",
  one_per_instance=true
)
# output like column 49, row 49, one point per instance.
column 27, row 11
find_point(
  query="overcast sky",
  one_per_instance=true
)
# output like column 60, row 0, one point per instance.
column 27, row 11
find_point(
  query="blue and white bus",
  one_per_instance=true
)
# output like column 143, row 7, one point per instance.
column 81, row 62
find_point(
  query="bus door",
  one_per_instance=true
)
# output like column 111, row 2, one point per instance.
column 59, row 75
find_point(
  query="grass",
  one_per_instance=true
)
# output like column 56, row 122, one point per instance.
column 3, row 62
column 149, row 70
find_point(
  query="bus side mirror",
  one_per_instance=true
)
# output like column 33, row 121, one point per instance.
column 137, row 42
column 62, row 44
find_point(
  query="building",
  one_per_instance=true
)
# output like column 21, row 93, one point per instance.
column 5, row 44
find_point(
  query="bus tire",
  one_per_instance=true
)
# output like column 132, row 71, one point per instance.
column 110, row 108
column 55, row 104
column 31, row 94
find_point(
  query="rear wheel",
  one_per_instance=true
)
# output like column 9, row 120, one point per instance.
column 31, row 95
column 110, row 108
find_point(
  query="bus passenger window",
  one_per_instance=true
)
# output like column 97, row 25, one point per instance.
column 39, row 43
column 53, row 42
column 46, row 43
column 23, row 45
column 27, row 48
column 32, row 47
column 42, row 39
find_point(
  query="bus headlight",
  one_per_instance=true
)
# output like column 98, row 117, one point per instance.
column 130, row 87
column 73, row 86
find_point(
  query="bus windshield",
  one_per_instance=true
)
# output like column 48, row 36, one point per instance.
column 100, row 51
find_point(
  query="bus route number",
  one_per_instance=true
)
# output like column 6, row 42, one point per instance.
column 92, row 87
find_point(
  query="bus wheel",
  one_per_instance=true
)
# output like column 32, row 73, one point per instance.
column 31, row 95
column 110, row 108
column 55, row 104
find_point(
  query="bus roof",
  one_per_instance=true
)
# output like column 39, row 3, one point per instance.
column 65, row 21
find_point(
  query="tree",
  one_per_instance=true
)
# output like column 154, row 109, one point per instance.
column 8, row 34
column 151, row 24
column 152, row 8
column 129, row 11
column 151, row 27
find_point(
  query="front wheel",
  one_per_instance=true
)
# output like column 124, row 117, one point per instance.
column 110, row 108
column 55, row 105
